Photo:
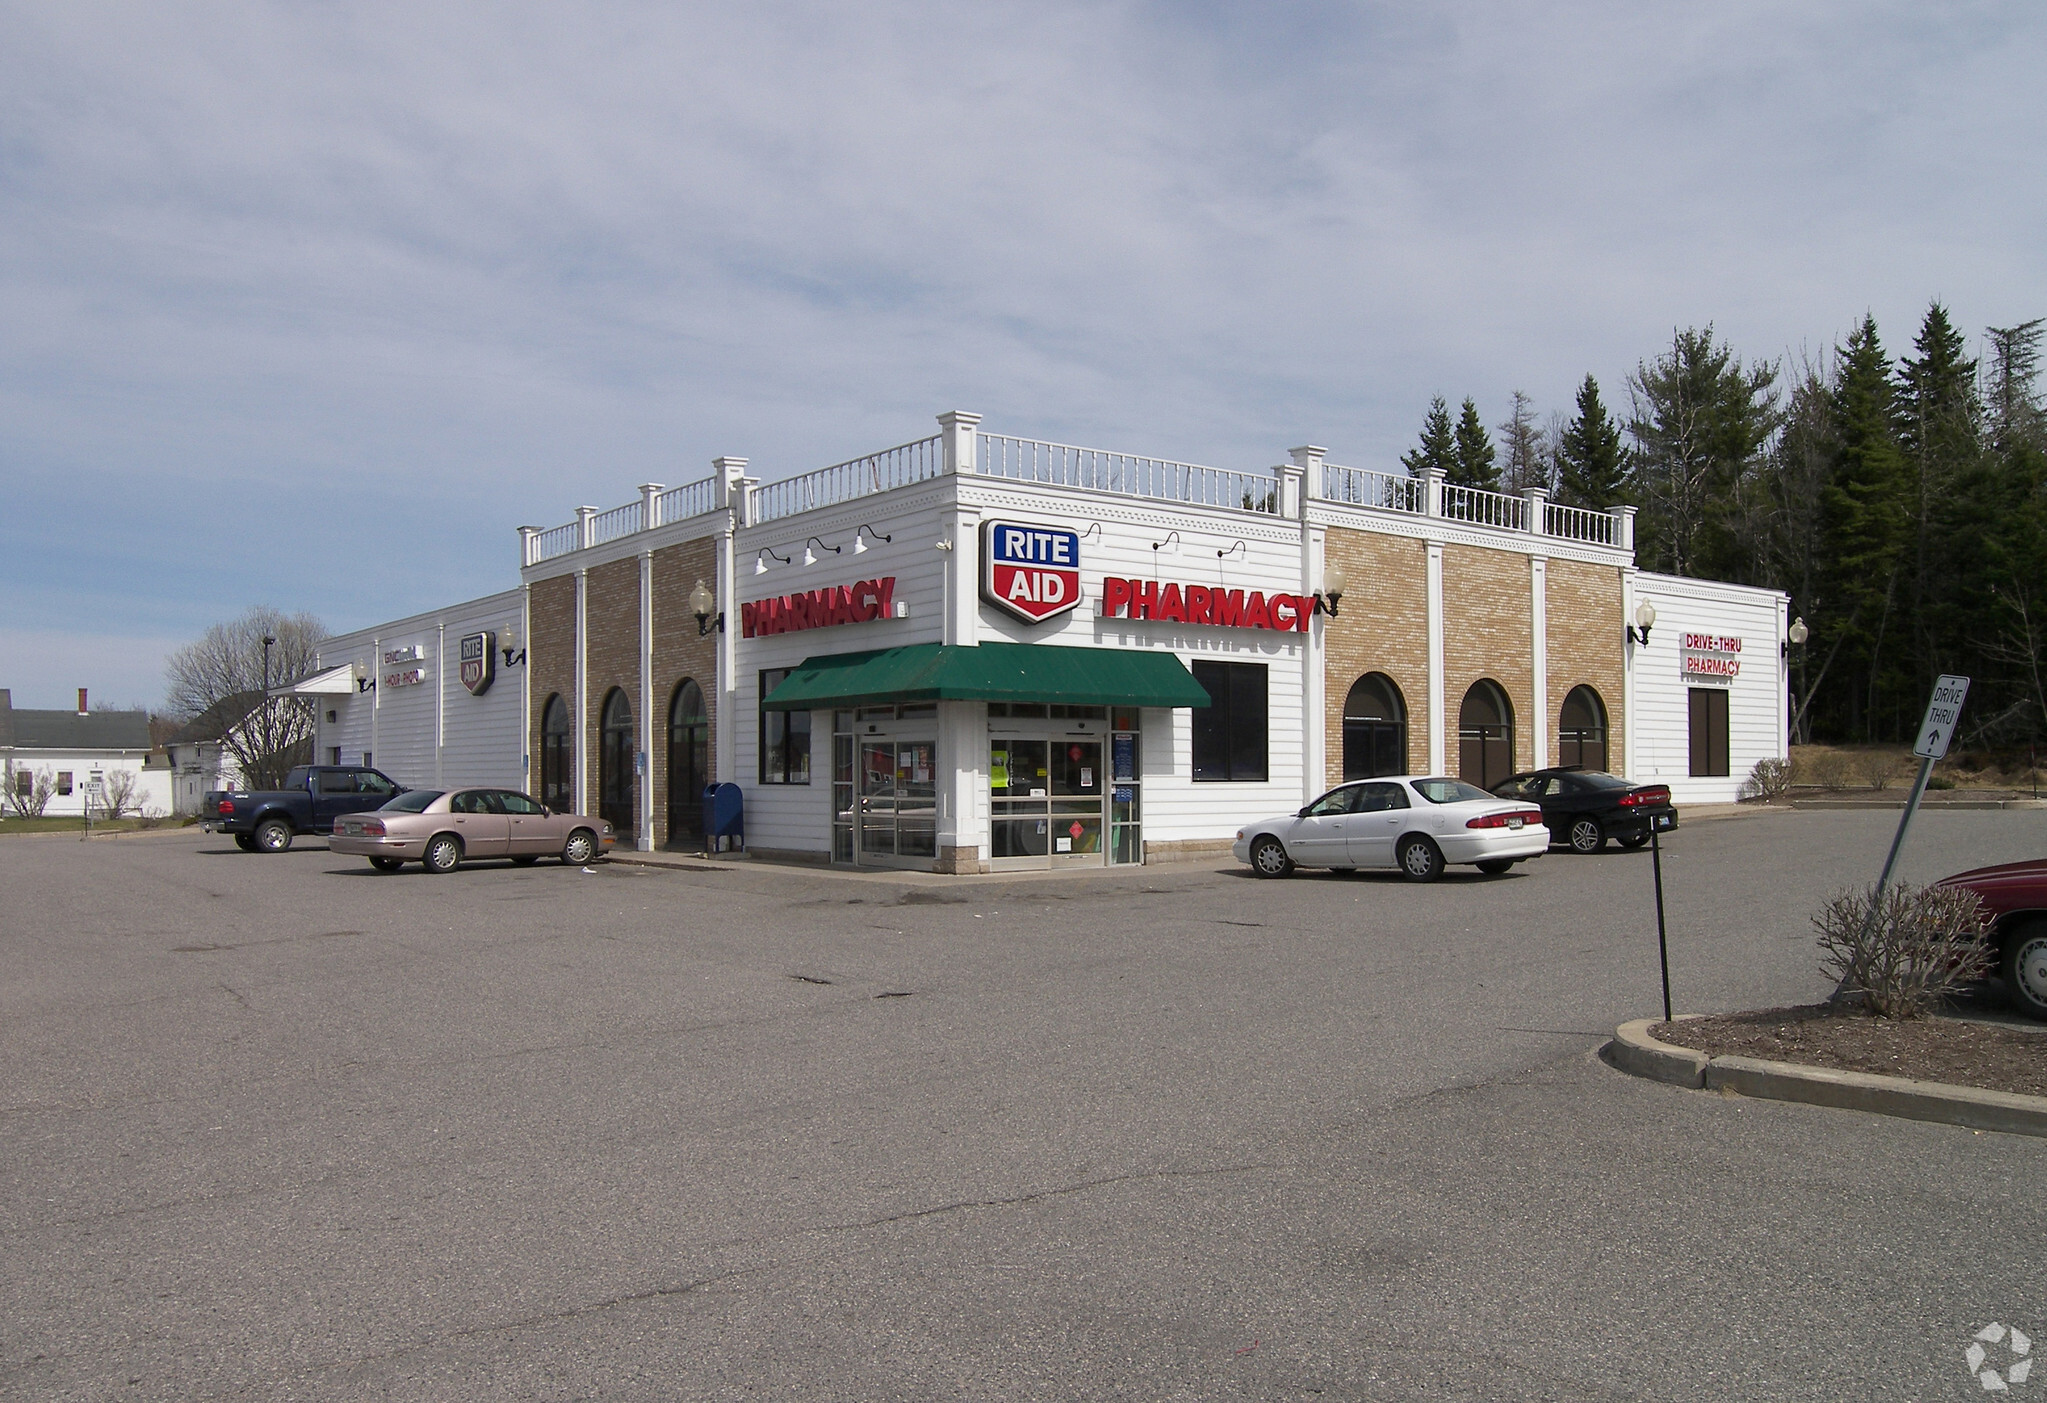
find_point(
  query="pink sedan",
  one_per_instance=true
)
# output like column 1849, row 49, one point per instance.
column 443, row 828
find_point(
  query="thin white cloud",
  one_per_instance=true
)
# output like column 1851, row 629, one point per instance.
column 289, row 288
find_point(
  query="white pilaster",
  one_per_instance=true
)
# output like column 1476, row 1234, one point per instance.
column 1439, row 752
column 645, row 787
column 1628, row 727
column 440, row 699
column 1538, row 647
column 737, row 496
column 582, row 707
column 962, row 760
column 957, row 428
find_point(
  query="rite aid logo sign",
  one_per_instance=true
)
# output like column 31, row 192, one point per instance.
column 1032, row 571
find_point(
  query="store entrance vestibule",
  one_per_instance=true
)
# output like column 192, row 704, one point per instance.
column 885, row 785
column 1062, row 785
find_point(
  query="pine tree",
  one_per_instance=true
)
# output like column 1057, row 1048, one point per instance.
column 1474, row 462
column 2014, row 404
column 1868, row 524
column 1700, row 423
column 1591, row 466
column 1527, row 450
column 1438, row 448
column 1940, row 436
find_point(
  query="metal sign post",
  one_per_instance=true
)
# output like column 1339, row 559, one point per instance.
column 1662, row 943
column 1942, row 711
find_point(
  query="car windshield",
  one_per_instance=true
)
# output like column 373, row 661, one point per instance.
column 1600, row 779
column 413, row 801
column 1449, row 791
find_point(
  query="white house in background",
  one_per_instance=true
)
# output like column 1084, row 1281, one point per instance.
column 73, row 746
column 200, row 756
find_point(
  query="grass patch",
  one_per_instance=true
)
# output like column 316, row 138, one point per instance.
column 72, row 823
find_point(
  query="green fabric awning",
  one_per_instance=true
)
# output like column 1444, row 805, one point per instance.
column 1027, row 672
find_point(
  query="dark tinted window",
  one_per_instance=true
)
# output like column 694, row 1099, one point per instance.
column 1378, row 798
column 1229, row 733
column 1587, row 780
column 337, row 781
column 1448, row 791
column 785, row 737
column 413, row 801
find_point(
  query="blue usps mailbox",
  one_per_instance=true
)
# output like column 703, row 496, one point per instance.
column 724, row 818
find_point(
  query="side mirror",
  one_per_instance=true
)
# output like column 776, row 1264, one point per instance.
column 1300, row 813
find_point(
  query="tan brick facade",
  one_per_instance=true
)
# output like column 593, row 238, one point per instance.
column 1585, row 643
column 612, row 608
column 680, row 653
column 550, row 658
column 1488, row 631
column 1383, row 627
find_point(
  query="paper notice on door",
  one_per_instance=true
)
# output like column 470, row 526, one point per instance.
column 1064, row 845
column 998, row 770
column 1087, row 778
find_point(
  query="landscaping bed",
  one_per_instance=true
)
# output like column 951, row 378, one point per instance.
column 1959, row 1051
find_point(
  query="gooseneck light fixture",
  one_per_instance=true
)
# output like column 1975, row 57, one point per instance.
column 1331, row 593
column 1233, row 548
column 1172, row 539
column 861, row 537
column 1645, row 615
column 701, row 603
column 810, row 555
column 760, row 562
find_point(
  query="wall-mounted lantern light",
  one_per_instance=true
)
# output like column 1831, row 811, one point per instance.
column 1797, row 633
column 701, row 603
column 1331, row 593
column 1645, row 615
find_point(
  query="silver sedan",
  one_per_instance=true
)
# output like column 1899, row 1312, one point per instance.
column 443, row 828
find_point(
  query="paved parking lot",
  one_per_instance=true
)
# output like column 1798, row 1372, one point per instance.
column 279, row 1127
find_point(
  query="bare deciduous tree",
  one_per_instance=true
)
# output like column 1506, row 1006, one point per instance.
column 28, row 799
column 229, row 663
column 119, row 791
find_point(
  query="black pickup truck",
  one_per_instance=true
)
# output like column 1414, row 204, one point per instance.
column 313, row 796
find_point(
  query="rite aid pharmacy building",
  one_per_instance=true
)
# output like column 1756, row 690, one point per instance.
column 975, row 652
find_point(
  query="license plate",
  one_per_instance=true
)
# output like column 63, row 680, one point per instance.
column 1515, row 822
column 354, row 830
column 1665, row 822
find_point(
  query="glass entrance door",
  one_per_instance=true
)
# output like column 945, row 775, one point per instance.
column 1046, row 799
column 890, row 797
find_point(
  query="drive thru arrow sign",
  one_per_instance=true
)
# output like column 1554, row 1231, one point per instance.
column 1941, row 714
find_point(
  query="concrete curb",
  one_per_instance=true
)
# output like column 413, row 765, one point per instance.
column 1634, row 1051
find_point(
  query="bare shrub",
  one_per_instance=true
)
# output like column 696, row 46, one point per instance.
column 1830, row 769
column 1906, row 953
column 29, row 791
column 1769, row 781
column 1879, row 768
column 119, row 792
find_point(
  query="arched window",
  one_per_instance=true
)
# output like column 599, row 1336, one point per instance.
column 1374, row 729
column 689, row 765
column 1485, row 735
column 615, row 764
column 1581, row 730
column 556, row 789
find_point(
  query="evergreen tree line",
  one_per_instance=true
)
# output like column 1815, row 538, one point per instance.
column 1902, row 504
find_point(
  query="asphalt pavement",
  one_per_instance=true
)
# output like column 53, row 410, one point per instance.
column 281, row 1127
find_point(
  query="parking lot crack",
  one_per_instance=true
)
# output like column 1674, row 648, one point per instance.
column 1042, row 1195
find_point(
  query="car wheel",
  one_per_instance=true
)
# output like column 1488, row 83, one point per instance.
column 443, row 854
column 245, row 842
column 1634, row 842
column 1587, row 834
column 2025, row 968
column 273, row 835
column 1494, row 866
column 580, row 848
column 386, row 864
column 527, row 861
column 1420, row 860
column 1268, row 857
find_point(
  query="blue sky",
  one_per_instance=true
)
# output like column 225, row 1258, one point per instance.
column 311, row 305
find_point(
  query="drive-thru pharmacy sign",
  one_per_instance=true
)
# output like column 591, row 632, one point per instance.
column 1941, row 714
